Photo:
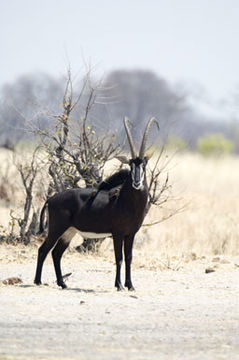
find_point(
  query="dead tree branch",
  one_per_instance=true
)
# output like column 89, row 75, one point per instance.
column 28, row 173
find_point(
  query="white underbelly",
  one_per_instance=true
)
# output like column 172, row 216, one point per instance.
column 71, row 232
column 90, row 235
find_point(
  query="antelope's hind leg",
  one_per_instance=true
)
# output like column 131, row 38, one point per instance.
column 57, row 253
column 43, row 250
column 49, row 243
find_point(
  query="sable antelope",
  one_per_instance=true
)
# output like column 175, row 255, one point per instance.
column 100, row 215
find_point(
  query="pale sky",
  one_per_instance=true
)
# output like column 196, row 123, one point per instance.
column 193, row 41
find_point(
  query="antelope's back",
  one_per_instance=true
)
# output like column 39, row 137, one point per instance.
column 84, row 209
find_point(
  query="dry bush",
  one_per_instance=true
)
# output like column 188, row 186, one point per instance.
column 19, row 216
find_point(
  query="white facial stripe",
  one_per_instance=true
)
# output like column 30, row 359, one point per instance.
column 137, row 174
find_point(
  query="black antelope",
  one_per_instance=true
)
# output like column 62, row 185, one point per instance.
column 101, row 215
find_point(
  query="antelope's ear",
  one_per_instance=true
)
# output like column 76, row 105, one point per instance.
column 149, row 154
column 122, row 159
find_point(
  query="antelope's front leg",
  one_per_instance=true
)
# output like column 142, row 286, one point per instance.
column 128, row 246
column 118, row 241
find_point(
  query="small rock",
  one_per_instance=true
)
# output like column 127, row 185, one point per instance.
column 12, row 281
column 209, row 270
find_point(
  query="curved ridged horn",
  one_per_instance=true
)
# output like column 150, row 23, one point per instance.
column 129, row 137
column 146, row 132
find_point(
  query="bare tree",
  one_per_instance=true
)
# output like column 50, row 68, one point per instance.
column 28, row 222
column 76, row 153
column 160, row 189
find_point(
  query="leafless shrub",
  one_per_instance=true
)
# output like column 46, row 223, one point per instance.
column 27, row 223
column 76, row 153
column 160, row 190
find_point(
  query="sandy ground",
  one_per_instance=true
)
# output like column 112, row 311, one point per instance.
column 183, row 314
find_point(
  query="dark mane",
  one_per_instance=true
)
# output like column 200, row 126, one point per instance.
column 114, row 180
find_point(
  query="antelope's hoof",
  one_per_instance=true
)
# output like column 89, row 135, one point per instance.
column 62, row 284
column 120, row 287
column 37, row 282
column 129, row 285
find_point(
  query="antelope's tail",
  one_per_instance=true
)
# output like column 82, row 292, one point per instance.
column 41, row 226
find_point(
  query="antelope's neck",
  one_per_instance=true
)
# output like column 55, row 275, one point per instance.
column 136, row 199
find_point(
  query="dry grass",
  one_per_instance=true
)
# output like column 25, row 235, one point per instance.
column 209, row 224
column 207, row 188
